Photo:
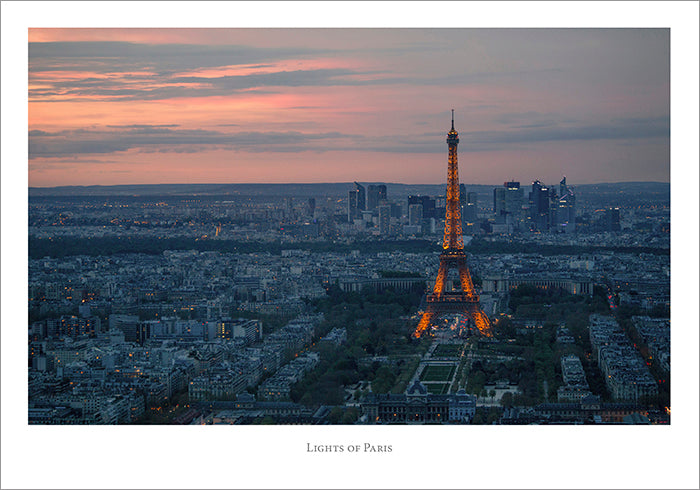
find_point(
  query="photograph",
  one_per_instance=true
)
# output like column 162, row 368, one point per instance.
column 306, row 226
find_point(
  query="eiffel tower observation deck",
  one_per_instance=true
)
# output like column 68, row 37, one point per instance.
column 465, row 301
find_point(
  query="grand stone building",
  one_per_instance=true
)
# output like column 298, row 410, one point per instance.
column 417, row 406
column 573, row 285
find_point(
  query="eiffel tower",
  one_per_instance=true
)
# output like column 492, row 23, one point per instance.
column 441, row 301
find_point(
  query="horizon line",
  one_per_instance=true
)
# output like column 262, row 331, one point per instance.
column 319, row 183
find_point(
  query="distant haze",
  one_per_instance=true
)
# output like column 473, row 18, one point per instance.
column 151, row 106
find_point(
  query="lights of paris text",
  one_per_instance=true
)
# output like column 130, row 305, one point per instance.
column 350, row 448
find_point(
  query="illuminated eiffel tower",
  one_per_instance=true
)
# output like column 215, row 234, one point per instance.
column 441, row 301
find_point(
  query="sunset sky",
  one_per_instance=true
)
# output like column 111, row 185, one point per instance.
column 133, row 106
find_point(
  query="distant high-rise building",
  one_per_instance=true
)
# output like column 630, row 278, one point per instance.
column 566, row 210
column 312, row 206
column 499, row 204
column 415, row 214
column 563, row 189
column 384, row 219
column 361, row 202
column 552, row 220
column 356, row 202
column 514, row 199
column 539, row 206
column 462, row 195
column 612, row 219
column 353, row 211
column 469, row 210
column 376, row 193
column 508, row 204
column 427, row 202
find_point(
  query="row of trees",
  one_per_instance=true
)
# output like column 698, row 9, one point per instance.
column 96, row 246
column 481, row 246
column 59, row 247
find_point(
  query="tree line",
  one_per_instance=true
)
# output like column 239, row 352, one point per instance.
column 67, row 246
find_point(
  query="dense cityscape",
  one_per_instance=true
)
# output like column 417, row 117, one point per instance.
column 296, row 304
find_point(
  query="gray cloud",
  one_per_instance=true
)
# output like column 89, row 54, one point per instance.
column 149, row 71
column 147, row 138
column 167, row 138
column 580, row 60
column 624, row 130
column 162, row 59
column 637, row 128
column 162, row 63
column 142, row 126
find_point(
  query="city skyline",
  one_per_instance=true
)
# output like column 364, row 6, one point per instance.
column 148, row 106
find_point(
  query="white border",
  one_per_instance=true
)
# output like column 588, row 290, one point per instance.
column 422, row 457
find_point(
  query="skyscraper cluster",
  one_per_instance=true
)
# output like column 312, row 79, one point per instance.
column 540, row 209
column 545, row 209
column 366, row 209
